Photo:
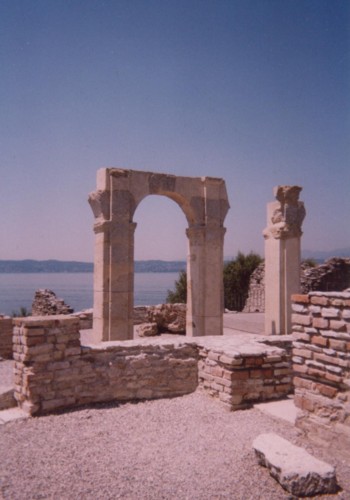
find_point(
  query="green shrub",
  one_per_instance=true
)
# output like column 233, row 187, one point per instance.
column 179, row 295
column 236, row 279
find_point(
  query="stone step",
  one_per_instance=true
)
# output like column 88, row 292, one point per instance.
column 294, row 468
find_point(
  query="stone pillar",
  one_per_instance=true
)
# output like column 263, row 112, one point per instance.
column 282, row 257
column 205, row 303
column 121, row 281
column 114, row 261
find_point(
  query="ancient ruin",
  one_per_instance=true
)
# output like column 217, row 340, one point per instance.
column 46, row 303
column 321, row 353
column 332, row 275
column 282, row 257
column 204, row 203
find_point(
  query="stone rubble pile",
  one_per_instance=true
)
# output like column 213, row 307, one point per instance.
column 153, row 320
column 333, row 275
column 46, row 303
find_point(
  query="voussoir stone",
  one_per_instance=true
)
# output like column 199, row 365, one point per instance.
column 294, row 468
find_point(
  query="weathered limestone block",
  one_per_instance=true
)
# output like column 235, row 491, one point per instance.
column 169, row 317
column 293, row 467
column 147, row 329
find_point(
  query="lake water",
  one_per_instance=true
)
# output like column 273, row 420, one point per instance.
column 76, row 289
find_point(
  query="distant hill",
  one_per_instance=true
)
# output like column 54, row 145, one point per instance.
column 58, row 266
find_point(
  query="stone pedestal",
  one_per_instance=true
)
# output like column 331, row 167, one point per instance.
column 282, row 258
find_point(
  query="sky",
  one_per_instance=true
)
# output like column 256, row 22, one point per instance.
column 256, row 92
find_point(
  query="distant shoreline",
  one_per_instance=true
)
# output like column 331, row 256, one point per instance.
column 57, row 266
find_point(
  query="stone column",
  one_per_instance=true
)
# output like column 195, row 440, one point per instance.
column 282, row 257
column 205, row 303
column 113, row 269
column 121, row 281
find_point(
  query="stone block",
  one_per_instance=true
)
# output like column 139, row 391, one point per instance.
column 294, row 468
column 322, row 301
column 319, row 340
column 301, row 299
column 330, row 312
column 320, row 323
column 301, row 319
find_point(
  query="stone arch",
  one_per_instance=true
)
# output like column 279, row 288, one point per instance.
column 204, row 203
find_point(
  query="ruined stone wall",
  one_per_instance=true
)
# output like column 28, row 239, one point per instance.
column 321, row 357
column 256, row 294
column 244, row 375
column 333, row 275
column 53, row 371
column 46, row 303
column 5, row 337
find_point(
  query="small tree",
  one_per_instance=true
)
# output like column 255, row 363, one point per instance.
column 179, row 295
column 22, row 313
column 236, row 279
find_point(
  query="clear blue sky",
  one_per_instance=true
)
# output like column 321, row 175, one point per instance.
column 254, row 91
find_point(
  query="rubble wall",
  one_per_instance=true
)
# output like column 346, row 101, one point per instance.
column 333, row 275
column 321, row 364
column 46, row 303
column 53, row 371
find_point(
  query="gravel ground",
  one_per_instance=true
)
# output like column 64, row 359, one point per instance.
column 181, row 448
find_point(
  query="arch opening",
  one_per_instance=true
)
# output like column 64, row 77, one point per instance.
column 160, row 248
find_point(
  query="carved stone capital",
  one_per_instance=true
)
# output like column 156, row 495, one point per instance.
column 100, row 204
column 286, row 215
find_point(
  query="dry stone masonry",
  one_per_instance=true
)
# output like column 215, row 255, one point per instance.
column 334, row 275
column 53, row 371
column 321, row 364
column 46, row 303
column 256, row 294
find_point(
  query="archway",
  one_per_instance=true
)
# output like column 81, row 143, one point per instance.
column 160, row 242
column 204, row 203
